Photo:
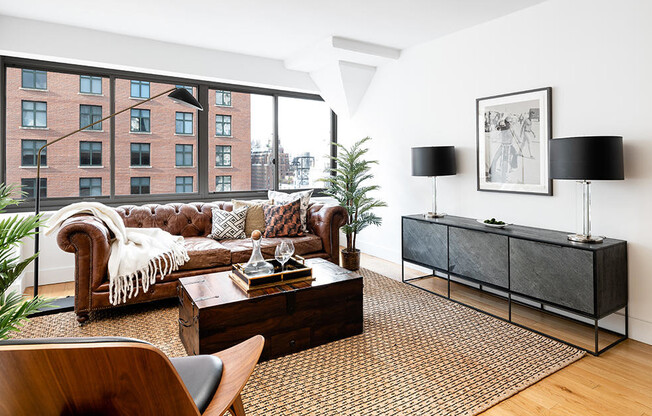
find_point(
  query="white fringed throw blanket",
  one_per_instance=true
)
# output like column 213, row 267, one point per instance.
column 137, row 254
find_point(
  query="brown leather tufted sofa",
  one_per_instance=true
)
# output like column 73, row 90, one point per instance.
column 89, row 238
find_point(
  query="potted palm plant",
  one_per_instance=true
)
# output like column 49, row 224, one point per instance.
column 348, row 184
column 14, row 307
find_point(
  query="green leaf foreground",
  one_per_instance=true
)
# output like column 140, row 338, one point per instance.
column 348, row 186
column 14, row 307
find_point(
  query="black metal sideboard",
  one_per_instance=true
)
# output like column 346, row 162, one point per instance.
column 542, row 266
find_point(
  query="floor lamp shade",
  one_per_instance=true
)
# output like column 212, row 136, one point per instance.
column 184, row 97
column 433, row 161
column 587, row 158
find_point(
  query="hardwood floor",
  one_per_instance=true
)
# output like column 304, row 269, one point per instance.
column 619, row 382
column 56, row 290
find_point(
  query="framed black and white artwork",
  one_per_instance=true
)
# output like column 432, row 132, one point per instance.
column 513, row 135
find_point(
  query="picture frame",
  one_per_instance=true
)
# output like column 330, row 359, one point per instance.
column 513, row 133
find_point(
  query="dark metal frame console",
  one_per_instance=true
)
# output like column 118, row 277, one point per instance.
column 531, row 264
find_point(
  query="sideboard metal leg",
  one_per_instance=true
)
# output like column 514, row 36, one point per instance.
column 597, row 335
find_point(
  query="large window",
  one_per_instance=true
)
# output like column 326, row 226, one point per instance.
column 246, row 140
column 140, row 121
column 139, row 185
column 89, row 114
column 90, row 154
column 90, row 85
column 183, row 184
column 222, row 125
column 139, row 89
column 29, row 187
column 34, row 80
column 90, row 187
column 183, row 155
column 29, row 152
column 222, row 156
column 35, row 114
column 183, row 123
column 140, row 154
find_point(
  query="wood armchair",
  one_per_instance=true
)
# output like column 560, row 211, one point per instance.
column 120, row 376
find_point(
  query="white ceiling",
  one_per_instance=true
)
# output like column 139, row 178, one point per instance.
column 269, row 28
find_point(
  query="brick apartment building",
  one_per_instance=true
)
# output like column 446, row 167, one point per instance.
column 155, row 145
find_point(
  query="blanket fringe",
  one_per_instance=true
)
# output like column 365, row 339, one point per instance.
column 122, row 288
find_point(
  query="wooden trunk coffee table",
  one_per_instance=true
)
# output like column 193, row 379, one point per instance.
column 214, row 313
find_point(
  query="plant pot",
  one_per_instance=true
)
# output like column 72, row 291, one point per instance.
column 351, row 259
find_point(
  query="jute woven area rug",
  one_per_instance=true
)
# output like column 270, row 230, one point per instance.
column 419, row 355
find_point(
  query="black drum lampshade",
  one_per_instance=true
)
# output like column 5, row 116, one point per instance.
column 587, row 158
column 433, row 161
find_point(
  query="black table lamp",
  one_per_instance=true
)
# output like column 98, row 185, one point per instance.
column 586, row 159
column 433, row 161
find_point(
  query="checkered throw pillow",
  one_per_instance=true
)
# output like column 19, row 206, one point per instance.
column 283, row 220
column 228, row 224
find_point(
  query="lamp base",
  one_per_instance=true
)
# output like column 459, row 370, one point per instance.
column 434, row 215
column 587, row 239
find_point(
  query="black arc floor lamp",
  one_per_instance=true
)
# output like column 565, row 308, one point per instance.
column 179, row 95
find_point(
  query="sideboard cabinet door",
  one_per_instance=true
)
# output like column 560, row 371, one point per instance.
column 556, row 274
column 479, row 255
column 425, row 243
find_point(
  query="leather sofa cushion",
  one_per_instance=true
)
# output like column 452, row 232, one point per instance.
column 241, row 249
column 205, row 253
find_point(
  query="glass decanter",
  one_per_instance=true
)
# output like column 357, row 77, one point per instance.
column 257, row 266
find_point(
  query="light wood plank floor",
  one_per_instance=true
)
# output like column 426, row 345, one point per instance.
column 619, row 382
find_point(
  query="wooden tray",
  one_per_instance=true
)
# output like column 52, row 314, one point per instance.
column 295, row 271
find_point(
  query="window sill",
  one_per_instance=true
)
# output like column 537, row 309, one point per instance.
column 34, row 128
column 32, row 167
column 140, row 132
column 139, row 98
column 185, row 167
column 34, row 89
column 140, row 167
column 185, row 134
column 92, row 131
column 224, row 106
column 91, row 94
column 224, row 167
column 90, row 167
column 226, row 137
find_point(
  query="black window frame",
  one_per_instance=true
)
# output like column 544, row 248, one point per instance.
column 224, row 123
column 34, row 72
column 140, row 185
column 140, row 84
column 90, row 78
column 223, row 183
column 184, row 183
column 223, row 94
column 35, row 111
column 140, row 153
column 217, row 154
column 36, row 144
column 93, row 151
column 92, row 116
column 182, row 149
column 184, row 115
column 140, row 117
column 203, row 89
column 92, row 184
column 25, row 187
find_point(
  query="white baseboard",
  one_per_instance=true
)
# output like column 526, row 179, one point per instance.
column 640, row 330
column 50, row 276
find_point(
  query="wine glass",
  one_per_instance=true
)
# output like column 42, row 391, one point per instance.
column 283, row 252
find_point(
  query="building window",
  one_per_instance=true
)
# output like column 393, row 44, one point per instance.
column 188, row 88
column 140, row 185
column 139, row 89
column 222, row 156
column 90, row 85
column 34, row 80
column 140, row 154
column 35, row 114
column 184, row 184
column 140, row 121
column 89, row 114
column 29, row 152
column 90, row 187
column 184, row 155
column 90, row 154
column 222, row 183
column 222, row 125
column 223, row 98
column 183, row 123
column 28, row 185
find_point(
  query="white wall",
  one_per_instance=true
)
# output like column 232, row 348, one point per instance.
column 50, row 41
column 597, row 57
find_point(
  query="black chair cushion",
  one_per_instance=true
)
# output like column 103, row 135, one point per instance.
column 201, row 374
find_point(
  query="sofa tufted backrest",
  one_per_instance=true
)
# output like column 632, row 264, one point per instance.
column 186, row 219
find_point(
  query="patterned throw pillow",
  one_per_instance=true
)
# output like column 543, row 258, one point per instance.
column 281, row 198
column 228, row 224
column 255, row 217
column 283, row 220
